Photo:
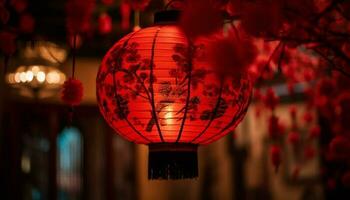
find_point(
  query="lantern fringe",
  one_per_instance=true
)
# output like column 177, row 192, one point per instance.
column 173, row 163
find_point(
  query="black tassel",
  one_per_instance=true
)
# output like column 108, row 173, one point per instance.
column 172, row 161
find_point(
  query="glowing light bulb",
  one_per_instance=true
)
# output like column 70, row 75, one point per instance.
column 17, row 79
column 41, row 76
column 29, row 76
column 35, row 70
column 53, row 77
column 22, row 77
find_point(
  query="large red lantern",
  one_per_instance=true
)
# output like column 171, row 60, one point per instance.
column 155, row 87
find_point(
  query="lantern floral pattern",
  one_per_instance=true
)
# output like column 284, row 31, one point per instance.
column 156, row 86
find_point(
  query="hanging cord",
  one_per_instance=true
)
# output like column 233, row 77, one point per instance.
column 74, row 49
column 74, row 54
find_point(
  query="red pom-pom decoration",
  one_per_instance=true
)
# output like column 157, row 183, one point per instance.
column 309, row 152
column 104, row 24
column 7, row 43
column 107, row 2
column 26, row 23
column 294, row 138
column 293, row 111
column 200, row 17
column 315, row 132
column 339, row 148
column 72, row 92
column 346, row 179
column 275, row 155
column 19, row 5
column 262, row 18
column 275, row 128
column 271, row 100
column 308, row 117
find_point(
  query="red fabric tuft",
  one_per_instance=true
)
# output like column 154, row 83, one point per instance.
column 346, row 179
column 26, row 23
column 315, row 132
column 276, row 130
column 308, row 117
column 331, row 184
column 107, row 2
column 293, row 111
column 4, row 14
column 125, row 10
column 232, row 56
column 309, row 152
column 275, row 155
column 79, row 13
column 339, row 148
column 19, row 5
column 7, row 42
column 294, row 138
column 72, row 92
column 200, row 17
column 343, row 110
column 138, row 4
column 262, row 18
column 104, row 24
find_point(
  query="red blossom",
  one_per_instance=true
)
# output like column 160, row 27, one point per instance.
column 275, row 156
column 294, row 138
column 262, row 18
column 79, row 13
column 271, row 100
column 293, row 111
column 308, row 117
column 138, row 4
column 72, row 92
column 125, row 10
column 327, row 87
column 200, row 18
column 231, row 56
column 339, row 148
column 315, row 132
column 275, row 129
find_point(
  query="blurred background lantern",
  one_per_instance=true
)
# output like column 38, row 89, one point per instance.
column 156, row 87
column 38, row 75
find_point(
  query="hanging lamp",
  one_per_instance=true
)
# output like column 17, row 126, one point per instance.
column 155, row 87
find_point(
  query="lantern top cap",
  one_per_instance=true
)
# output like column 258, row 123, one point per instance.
column 167, row 17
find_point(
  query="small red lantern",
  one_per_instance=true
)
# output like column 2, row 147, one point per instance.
column 155, row 87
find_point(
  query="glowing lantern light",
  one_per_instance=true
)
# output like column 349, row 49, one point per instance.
column 155, row 87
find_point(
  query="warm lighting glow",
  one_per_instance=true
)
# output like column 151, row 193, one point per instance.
column 47, row 51
column 29, row 76
column 41, row 76
column 25, row 164
column 22, row 77
column 35, row 70
column 36, row 77
column 17, row 79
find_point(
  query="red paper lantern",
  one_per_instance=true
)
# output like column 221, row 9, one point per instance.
column 155, row 87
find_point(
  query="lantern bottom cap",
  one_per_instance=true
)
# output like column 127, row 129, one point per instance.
column 172, row 161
